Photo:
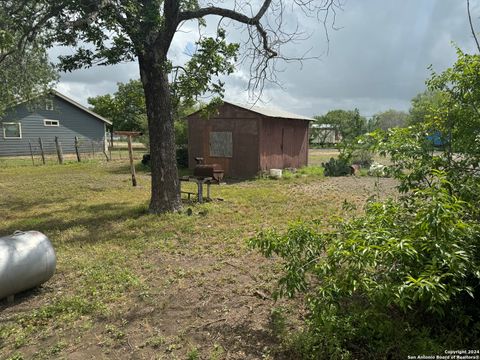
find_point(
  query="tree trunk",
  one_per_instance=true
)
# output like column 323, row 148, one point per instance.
column 165, row 184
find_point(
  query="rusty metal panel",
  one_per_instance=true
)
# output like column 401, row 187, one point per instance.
column 246, row 148
column 272, row 152
column 221, row 144
column 284, row 143
column 196, row 128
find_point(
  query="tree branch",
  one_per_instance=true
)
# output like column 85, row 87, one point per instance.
column 471, row 25
column 235, row 15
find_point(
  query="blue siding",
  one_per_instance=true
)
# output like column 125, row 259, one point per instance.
column 73, row 122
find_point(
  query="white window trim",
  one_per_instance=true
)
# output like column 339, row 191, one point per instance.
column 45, row 123
column 12, row 123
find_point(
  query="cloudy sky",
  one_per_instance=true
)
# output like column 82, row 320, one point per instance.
column 377, row 58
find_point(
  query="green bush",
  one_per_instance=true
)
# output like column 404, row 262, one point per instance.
column 181, row 154
column 182, row 157
column 337, row 167
column 393, row 282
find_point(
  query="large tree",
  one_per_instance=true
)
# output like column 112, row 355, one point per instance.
column 423, row 104
column 389, row 119
column 111, row 31
column 125, row 108
column 349, row 123
column 25, row 70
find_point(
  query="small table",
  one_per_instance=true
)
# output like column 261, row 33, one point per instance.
column 199, row 182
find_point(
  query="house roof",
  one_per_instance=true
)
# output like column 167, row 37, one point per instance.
column 81, row 107
column 270, row 111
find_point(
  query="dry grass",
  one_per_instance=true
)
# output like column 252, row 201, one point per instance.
column 136, row 286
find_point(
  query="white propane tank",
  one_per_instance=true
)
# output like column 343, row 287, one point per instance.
column 27, row 259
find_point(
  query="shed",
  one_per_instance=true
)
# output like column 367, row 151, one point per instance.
column 48, row 117
column 246, row 140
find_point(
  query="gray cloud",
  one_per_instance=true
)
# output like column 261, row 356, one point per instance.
column 377, row 60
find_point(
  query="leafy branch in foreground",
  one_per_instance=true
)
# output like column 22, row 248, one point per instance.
column 381, row 275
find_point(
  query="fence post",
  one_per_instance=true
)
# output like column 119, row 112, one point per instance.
column 76, row 149
column 93, row 148
column 41, row 150
column 132, row 166
column 58, row 145
column 31, row 152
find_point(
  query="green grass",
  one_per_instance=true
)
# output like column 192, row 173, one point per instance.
column 129, row 280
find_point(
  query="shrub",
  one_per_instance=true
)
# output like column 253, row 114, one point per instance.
column 182, row 157
column 337, row 167
column 398, row 280
column 362, row 157
column 181, row 154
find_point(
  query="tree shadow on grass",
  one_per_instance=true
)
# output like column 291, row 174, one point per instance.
column 15, row 204
column 95, row 219
column 124, row 169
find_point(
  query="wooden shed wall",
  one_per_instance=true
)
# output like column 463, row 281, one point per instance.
column 244, row 126
column 283, row 143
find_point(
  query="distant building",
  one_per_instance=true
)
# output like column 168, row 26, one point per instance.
column 53, row 116
column 324, row 134
column 245, row 140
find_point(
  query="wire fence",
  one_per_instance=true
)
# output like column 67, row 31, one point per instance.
column 44, row 151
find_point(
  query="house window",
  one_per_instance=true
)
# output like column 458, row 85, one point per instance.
column 48, row 122
column 221, row 144
column 48, row 104
column 12, row 130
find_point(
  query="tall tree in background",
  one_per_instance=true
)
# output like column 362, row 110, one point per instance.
column 349, row 123
column 25, row 70
column 423, row 104
column 125, row 108
column 114, row 31
column 389, row 119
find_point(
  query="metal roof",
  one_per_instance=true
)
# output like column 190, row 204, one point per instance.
column 81, row 107
column 270, row 111
column 323, row 126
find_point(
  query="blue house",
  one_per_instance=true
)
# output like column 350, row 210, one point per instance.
column 51, row 116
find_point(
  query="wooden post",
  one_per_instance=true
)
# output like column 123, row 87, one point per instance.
column 58, row 145
column 110, row 148
column 41, row 150
column 93, row 148
column 77, row 151
column 132, row 166
column 31, row 152
column 111, row 138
